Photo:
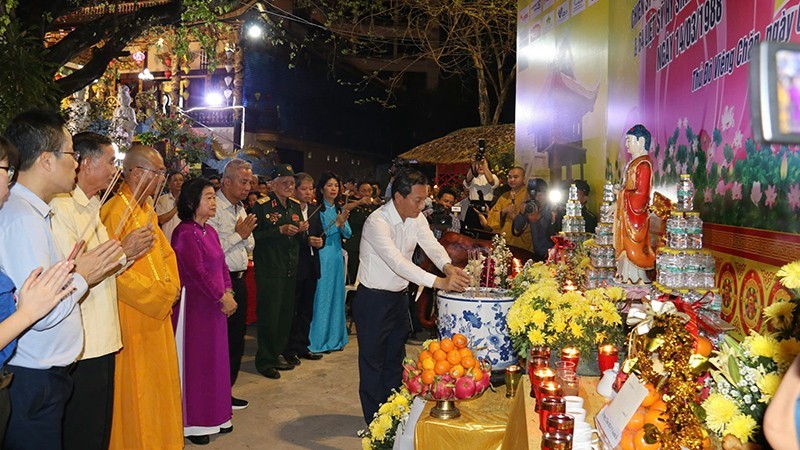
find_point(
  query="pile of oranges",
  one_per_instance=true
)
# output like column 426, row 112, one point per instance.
column 446, row 368
column 448, row 356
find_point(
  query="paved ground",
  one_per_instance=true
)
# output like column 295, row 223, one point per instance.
column 315, row 406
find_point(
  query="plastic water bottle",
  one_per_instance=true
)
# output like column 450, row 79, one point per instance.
column 685, row 193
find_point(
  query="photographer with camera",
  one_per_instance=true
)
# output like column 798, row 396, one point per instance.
column 540, row 216
column 442, row 216
column 508, row 207
column 479, row 184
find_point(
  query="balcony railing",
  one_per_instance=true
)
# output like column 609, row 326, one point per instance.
column 213, row 118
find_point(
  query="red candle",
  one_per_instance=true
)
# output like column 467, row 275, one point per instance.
column 551, row 389
column 535, row 364
column 550, row 405
column 571, row 354
column 560, row 422
column 607, row 356
column 540, row 376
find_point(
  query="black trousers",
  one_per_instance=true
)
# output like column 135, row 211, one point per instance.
column 237, row 326
column 87, row 418
column 38, row 399
column 381, row 319
column 303, row 313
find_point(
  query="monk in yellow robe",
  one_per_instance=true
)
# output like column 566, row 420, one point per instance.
column 508, row 206
column 147, row 402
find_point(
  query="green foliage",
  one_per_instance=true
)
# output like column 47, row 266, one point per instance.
column 25, row 77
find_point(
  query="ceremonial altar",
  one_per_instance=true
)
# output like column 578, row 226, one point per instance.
column 494, row 422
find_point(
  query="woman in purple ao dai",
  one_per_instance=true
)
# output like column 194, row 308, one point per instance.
column 201, row 325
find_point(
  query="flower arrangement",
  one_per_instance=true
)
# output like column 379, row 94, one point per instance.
column 501, row 260
column 746, row 374
column 491, row 271
column 382, row 431
column 547, row 314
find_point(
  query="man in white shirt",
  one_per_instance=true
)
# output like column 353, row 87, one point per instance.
column 235, row 230
column 46, row 351
column 87, row 418
column 380, row 309
column 480, row 179
column 167, row 206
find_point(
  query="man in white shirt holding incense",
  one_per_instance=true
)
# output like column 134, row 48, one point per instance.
column 380, row 309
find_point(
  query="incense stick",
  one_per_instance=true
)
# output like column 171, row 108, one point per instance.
column 137, row 197
column 95, row 215
column 155, row 201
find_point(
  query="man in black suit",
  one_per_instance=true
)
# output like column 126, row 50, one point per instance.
column 307, row 273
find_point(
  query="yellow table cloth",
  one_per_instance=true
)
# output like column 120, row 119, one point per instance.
column 482, row 424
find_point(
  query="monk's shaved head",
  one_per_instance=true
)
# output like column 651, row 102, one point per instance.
column 141, row 155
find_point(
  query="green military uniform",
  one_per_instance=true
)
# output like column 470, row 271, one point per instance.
column 357, row 218
column 275, row 258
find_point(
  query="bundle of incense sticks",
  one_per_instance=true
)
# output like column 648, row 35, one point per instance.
column 139, row 194
column 96, row 214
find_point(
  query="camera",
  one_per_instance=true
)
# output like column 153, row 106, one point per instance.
column 440, row 218
column 534, row 185
column 481, row 153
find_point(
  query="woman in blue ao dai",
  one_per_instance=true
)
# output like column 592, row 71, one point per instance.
column 328, row 325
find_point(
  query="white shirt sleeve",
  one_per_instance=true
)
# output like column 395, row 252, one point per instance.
column 378, row 234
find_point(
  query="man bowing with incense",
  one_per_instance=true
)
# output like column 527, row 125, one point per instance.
column 147, row 403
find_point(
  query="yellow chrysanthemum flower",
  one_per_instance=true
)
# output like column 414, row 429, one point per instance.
column 719, row 411
column 366, row 443
column 538, row 318
column 761, row 345
column 768, row 385
column 600, row 337
column 616, row 293
column 379, row 427
column 742, row 427
column 787, row 351
column 576, row 329
column 536, row 337
column 780, row 314
column 790, row 275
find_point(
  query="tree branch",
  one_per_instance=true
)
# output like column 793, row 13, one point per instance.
column 128, row 27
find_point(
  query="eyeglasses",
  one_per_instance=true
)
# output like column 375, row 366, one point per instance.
column 10, row 170
column 162, row 172
column 75, row 155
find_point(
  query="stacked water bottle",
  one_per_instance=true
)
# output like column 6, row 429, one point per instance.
column 574, row 225
column 602, row 259
column 682, row 263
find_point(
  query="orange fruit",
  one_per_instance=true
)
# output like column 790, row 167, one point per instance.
column 636, row 422
column 433, row 346
column 657, row 418
column 446, row 344
column 425, row 354
column 652, row 395
column 477, row 374
column 428, row 364
column 459, row 340
column 703, row 346
column 640, row 442
column 457, row 371
column 453, row 357
column 659, row 404
column 440, row 355
column 428, row 376
column 468, row 362
column 464, row 352
column 627, row 440
column 442, row 367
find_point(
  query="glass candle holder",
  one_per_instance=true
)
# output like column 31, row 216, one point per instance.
column 551, row 389
column 550, row 405
column 536, row 363
column 540, row 351
column 571, row 354
column 607, row 356
column 560, row 422
column 556, row 441
column 513, row 375
column 540, row 376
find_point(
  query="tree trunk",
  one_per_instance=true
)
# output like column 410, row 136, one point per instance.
column 483, row 91
column 503, row 95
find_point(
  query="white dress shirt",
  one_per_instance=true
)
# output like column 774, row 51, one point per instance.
column 165, row 204
column 481, row 184
column 235, row 248
column 387, row 244
column 26, row 243
column 72, row 214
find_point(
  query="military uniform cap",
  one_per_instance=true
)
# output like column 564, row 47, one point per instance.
column 282, row 170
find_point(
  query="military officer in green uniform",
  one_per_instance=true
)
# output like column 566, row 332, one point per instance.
column 360, row 207
column 275, row 258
